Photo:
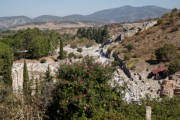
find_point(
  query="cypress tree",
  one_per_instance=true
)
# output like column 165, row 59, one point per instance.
column 26, row 86
column 61, row 51
column 37, row 88
column 7, row 76
column 48, row 76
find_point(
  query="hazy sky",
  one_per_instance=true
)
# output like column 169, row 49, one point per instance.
column 33, row 8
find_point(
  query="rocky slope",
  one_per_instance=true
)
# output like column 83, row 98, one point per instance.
column 137, row 85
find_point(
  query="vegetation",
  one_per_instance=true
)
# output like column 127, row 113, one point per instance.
column 61, row 51
column 99, row 35
column 48, row 76
column 166, row 53
column 174, row 66
column 26, row 82
column 32, row 43
column 6, row 60
column 43, row 61
column 82, row 91
column 130, row 47
column 71, row 55
column 115, row 63
column 79, row 50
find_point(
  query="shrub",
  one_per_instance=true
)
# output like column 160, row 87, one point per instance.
column 88, row 45
column 175, row 28
column 115, row 63
column 71, row 55
column 174, row 66
column 171, row 20
column 127, row 56
column 174, row 10
column 79, row 50
column 166, row 53
column 130, row 47
column 83, row 90
column 160, row 21
column 73, row 46
column 43, row 61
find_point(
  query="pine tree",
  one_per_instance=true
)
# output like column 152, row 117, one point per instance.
column 26, row 85
column 61, row 51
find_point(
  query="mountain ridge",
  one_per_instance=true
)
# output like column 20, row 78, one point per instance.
column 106, row 16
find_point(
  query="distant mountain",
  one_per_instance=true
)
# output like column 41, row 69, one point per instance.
column 121, row 14
column 47, row 18
column 129, row 13
column 6, row 22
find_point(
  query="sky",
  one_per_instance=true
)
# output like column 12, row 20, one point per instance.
column 34, row 8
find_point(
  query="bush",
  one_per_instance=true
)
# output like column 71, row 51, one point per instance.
column 174, row 10
column 43, row 61
column 79, row 50
column 166, row 53
column 160, row 21
column 175, row 28
column 88, row 45
column 72, row 55
column 115, row 63
column 130, row 47
column 127, row 56
column 83, row 90
column 174, row 66
column 73, row 46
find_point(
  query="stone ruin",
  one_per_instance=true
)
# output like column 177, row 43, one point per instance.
column 35, row 70
column 169, row 88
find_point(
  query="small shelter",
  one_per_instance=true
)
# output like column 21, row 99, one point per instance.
column 159, row 73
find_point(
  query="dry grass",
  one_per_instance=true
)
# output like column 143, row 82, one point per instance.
column 148, row 41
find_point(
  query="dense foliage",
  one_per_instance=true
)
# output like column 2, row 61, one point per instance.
column 99, row 35
column 83, row 91
column 32, row 42
column 167, row 109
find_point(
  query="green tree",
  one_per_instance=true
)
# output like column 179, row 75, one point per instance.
column 6, row 61
column 7, row 76
column 166, row 53
column 26, row 83
column 48, row 76
column 61, row 51
column 174, row 66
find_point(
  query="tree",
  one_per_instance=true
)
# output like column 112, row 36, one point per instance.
column 174, row 66
column 6, row 61
column 48, row 76
column 7, row 76
column 61, row 51
column 105, row 33
column 166, row 53
column 26, row 83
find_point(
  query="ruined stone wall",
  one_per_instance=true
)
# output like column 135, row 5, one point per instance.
column 35, row 71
